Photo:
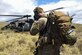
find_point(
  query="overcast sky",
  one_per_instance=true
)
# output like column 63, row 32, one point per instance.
column 27, row 6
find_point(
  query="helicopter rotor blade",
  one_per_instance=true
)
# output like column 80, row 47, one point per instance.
column 55, row 9
column 19, row 18
column 16, row 15
column 60, row 8
column 12, row 15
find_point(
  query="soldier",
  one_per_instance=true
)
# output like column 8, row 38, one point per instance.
column 50, row 39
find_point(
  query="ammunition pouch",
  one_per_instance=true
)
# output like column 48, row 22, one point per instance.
column 70, row 38
column 45, row 40
column 41, row 41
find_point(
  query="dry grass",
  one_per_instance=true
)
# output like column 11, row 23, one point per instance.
column 16, row 43
column 12, row 43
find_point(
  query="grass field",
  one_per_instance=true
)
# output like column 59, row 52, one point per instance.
column 23, row 43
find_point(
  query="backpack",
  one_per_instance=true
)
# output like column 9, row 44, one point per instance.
column 58, row 23
column 59, row 27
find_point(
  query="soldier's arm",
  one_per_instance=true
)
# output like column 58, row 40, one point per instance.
column 35, row 28
column 38, row 25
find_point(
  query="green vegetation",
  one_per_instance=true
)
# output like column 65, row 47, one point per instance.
column 12, row 43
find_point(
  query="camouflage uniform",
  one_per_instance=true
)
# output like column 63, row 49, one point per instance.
column 46, row 44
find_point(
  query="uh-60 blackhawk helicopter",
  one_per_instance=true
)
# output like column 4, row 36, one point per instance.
column 22, row 23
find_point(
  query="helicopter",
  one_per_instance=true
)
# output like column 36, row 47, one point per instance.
column 20, row 24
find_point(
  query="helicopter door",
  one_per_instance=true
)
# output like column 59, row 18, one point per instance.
column 26, row 27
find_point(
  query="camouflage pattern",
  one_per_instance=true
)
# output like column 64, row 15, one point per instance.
column 38, row 25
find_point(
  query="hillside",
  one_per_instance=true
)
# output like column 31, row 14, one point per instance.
column 23, row 43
